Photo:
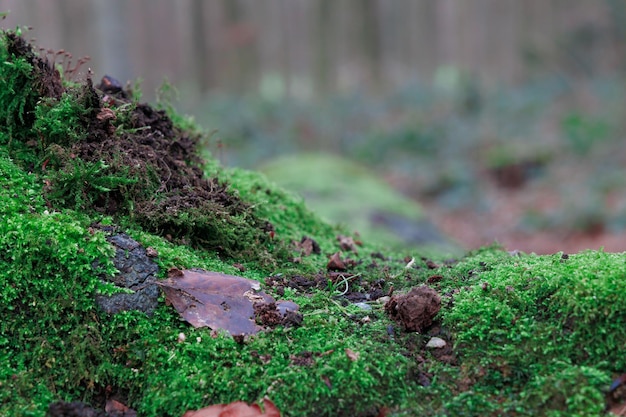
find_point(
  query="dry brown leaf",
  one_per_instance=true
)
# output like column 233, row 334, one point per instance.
column 215, row 300
column 335, row 263
column 236, row 409
column 347, row 243
column 117, row 408
column 308, row 246
column 618, row 410
column 352, row 355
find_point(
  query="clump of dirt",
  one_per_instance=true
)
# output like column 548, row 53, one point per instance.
column 275, row 314
column 131, row 160
column 306, row 358
column 416, row 309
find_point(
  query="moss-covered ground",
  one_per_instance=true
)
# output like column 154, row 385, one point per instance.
column 527, row 335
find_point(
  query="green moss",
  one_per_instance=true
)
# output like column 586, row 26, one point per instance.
column 60, row 121
column 17, row 92
column 545, row 321
column 178, row 376
column 291, row 218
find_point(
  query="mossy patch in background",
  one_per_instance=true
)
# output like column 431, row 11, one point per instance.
column 347, row 193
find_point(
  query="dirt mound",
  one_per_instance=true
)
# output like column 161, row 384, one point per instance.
column 100, row 150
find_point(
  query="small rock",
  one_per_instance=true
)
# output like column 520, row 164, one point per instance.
column 383, row 300
column 436, row 343
column 363, row 306
column 137, row 272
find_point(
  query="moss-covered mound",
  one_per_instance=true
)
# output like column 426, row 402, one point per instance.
column 524, row 334
column 344, row 192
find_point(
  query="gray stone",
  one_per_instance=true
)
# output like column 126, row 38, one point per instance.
column 137, row 272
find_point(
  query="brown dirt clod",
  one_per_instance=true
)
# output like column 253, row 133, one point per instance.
column 415, row 310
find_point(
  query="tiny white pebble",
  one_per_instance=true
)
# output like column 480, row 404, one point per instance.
column 435, row 342
column 383, row 300
column 198, row 339
column 181, row 337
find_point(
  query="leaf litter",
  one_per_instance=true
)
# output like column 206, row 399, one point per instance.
column 236, row 409
column 228, row 302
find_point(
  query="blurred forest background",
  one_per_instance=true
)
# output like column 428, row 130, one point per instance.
column 503, row 118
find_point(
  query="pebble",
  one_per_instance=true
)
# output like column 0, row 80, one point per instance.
column 363, row 306
column 435, row 343
column 383, row 300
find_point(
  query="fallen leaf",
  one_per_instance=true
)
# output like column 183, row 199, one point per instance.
column 352, row 355
column 383, row 412
column 113, row 405
column 215, row 300
column 434, row 278
column 431, row 265
column 116, row 408
column 335, row 263
column 347, row 243
column 618, row 410
column 174, row 272
column 236, row 409
column 308, row 246
column 105, row 115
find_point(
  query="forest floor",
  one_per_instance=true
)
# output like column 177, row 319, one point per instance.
column 474, row 228
column 538, row 168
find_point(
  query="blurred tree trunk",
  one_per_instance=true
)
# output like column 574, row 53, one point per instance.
column 203, row 70
column 424, row 48
column 64, row 12
column 241, row 41
column 446, row 35
column 617, row 11
column 112, row 41
column 370, row 38
column 324, row 32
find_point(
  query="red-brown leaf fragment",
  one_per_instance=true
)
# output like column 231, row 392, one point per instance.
column 236, row 409
column 352, row 355
column 335, row 263
column 215, row 300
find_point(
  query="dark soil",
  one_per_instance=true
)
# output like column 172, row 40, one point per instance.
column 48, row 78
column 161, row 156
column 416, row 309
column 153, row 168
